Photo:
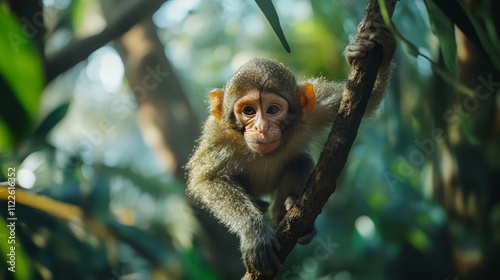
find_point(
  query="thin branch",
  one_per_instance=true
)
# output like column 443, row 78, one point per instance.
column 322, row 182
column 79, row 49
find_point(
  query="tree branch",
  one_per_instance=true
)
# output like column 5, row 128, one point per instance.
column 79, row 49
column 322, row 182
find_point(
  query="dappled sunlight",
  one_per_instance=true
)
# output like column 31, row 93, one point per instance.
column 365, row 226
column 106, row 67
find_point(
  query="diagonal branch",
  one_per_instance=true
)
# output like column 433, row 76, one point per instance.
column 322, row 182
column 79, row 49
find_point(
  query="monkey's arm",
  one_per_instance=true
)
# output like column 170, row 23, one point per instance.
column 329, row 94
column 229, row 203
column 224, row 197
column 290, row 188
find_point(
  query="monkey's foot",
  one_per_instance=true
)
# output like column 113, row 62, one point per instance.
column 357, row 50
column 306, row 238
column 363, row 42
column 290, row 202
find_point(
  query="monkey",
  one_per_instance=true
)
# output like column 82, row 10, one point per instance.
column 258, row 140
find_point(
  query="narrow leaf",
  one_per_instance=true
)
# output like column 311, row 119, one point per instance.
column 21, row 65
column 21, row 80
column 267, row 7
column 51, row 120
column 444, row 30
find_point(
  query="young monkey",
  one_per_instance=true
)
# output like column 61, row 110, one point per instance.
column 258, row 141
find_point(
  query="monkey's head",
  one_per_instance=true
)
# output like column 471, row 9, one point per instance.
column 262, row 99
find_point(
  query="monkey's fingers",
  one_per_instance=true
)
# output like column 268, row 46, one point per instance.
column 379, row 33
column 358, row 49
column 290, row 202
column 306, row 238
column 387, row 41
column 270, row 263
column 265, row 262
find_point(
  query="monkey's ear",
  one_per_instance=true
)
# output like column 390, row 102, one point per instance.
column 307, row 97
column 216, row 102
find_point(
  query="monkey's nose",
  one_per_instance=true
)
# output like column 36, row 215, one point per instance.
column 262, row 126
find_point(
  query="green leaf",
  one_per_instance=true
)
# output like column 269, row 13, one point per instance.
column 411, row 49
column 481, row 18
column 21, row 65
column 14, row 118
column 78, row 12
column 267, row 7
column 51, row 120
column 444, row 30
column 21, row 78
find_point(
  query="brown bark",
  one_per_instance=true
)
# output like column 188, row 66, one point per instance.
column 322, row 182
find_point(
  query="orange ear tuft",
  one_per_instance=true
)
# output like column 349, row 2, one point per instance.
column 307, row 96
column 216, row 102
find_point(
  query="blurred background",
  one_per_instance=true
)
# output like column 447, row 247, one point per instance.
column 101, row 102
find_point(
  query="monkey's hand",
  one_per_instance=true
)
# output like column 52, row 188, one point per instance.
column 290, row 202
column 258, row 249
column 375, row 32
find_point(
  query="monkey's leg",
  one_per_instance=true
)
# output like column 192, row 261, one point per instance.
column 291, row 186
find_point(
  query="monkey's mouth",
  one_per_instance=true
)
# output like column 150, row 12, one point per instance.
column 262, row 146
column 261, row 141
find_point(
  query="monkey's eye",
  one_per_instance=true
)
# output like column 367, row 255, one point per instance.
column 248, row 110
column 273, row 109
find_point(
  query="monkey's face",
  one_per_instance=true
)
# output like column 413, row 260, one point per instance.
column 263, row 115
